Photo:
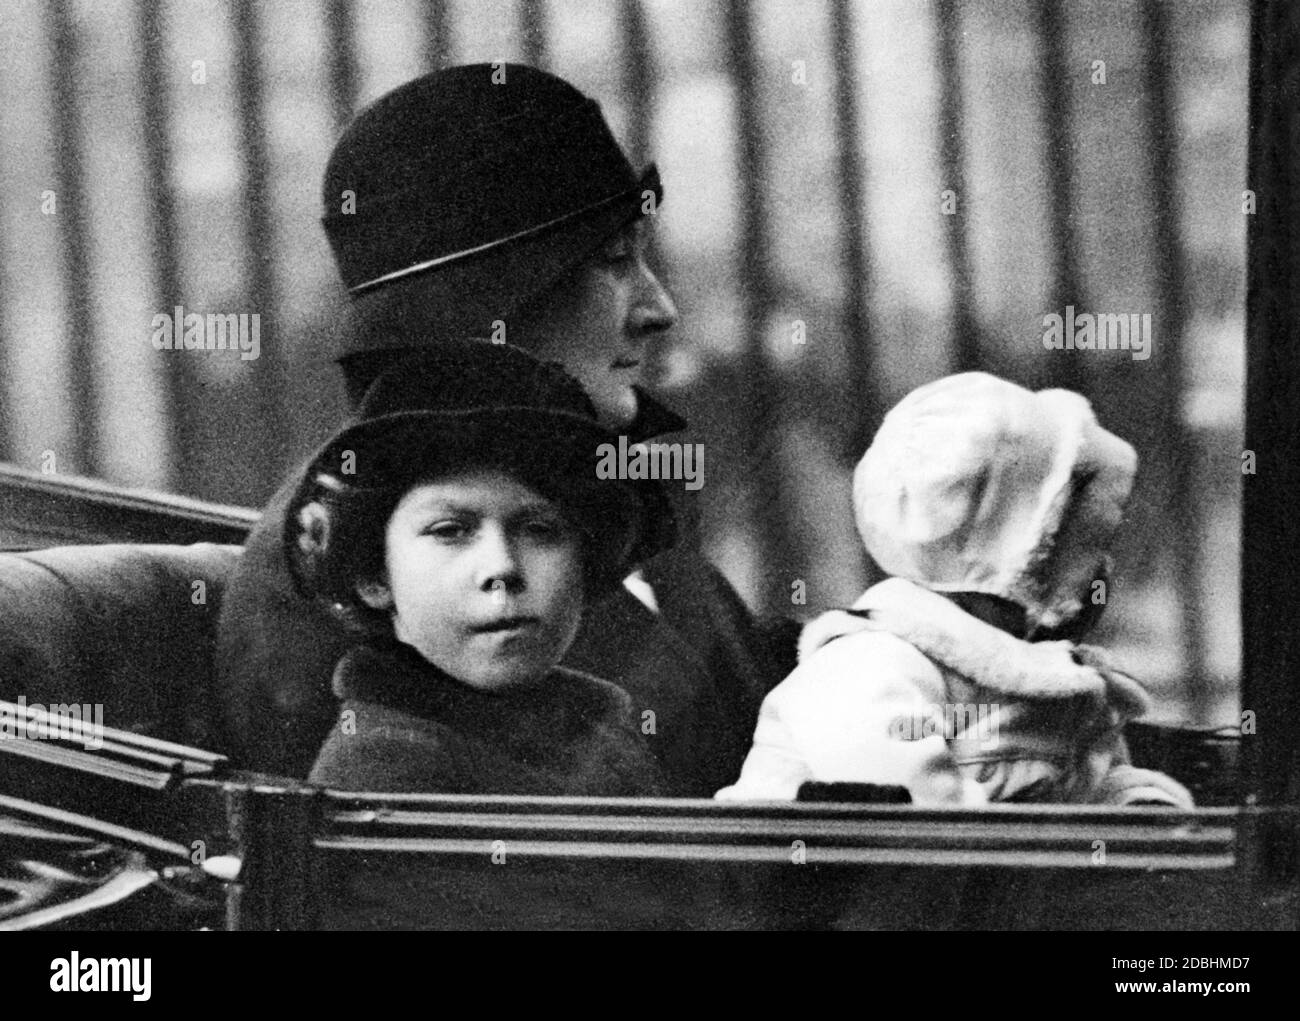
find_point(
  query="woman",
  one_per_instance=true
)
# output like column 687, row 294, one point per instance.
column 492, row 201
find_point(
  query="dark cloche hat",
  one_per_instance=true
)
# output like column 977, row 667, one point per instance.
column 473, row 403
column 490, row 180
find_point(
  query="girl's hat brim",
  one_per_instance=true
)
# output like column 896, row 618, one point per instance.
column 554, row 452
column 397, row 448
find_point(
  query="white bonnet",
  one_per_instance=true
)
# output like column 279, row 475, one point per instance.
column 967, row 481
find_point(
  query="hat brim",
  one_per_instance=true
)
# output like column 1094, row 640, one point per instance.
column 465, row 296
column 394, row 449
column 553, row 452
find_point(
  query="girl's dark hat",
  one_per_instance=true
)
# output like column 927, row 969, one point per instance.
column 472, row 403
column 488, row 181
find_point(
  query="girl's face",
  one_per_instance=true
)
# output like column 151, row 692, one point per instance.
column 484, row 578
column 598, row 321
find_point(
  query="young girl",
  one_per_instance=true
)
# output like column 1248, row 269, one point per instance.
column 459, row 529
column 958, row 678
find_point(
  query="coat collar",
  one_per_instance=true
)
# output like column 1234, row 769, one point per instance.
column 393, row 674
column 991, row 658
column 653, row 418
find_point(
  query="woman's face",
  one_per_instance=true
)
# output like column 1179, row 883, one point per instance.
column 598, row 321
column 484, row 578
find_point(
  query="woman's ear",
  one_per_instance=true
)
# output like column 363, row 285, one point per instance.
column 375, row 594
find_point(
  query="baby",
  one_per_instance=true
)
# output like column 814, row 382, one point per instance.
column 459, row 529
column 959, row 678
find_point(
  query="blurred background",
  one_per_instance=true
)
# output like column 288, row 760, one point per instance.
column 163, row 154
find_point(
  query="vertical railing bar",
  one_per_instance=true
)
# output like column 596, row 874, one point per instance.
column 7, row 452
column 270, row 378
column 181, row 379
column 759, row 400
column 863, row 398
column 965, row 353
column 1067, row 369
column 344, row 73
column 532, row 15
column 8, row 339
column 1183, row 505
column 639, row 77
column 73, row 217
column 640, row 85
column 437, row 51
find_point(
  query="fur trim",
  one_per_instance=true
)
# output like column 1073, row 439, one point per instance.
column 1123, row 692
column 829, row 626
column 980, row 652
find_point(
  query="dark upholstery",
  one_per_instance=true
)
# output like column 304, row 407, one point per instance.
column 121, row 625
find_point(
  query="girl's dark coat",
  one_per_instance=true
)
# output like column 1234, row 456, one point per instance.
column 406, row 726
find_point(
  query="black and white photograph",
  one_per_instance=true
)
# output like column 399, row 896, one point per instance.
column 650, row 465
